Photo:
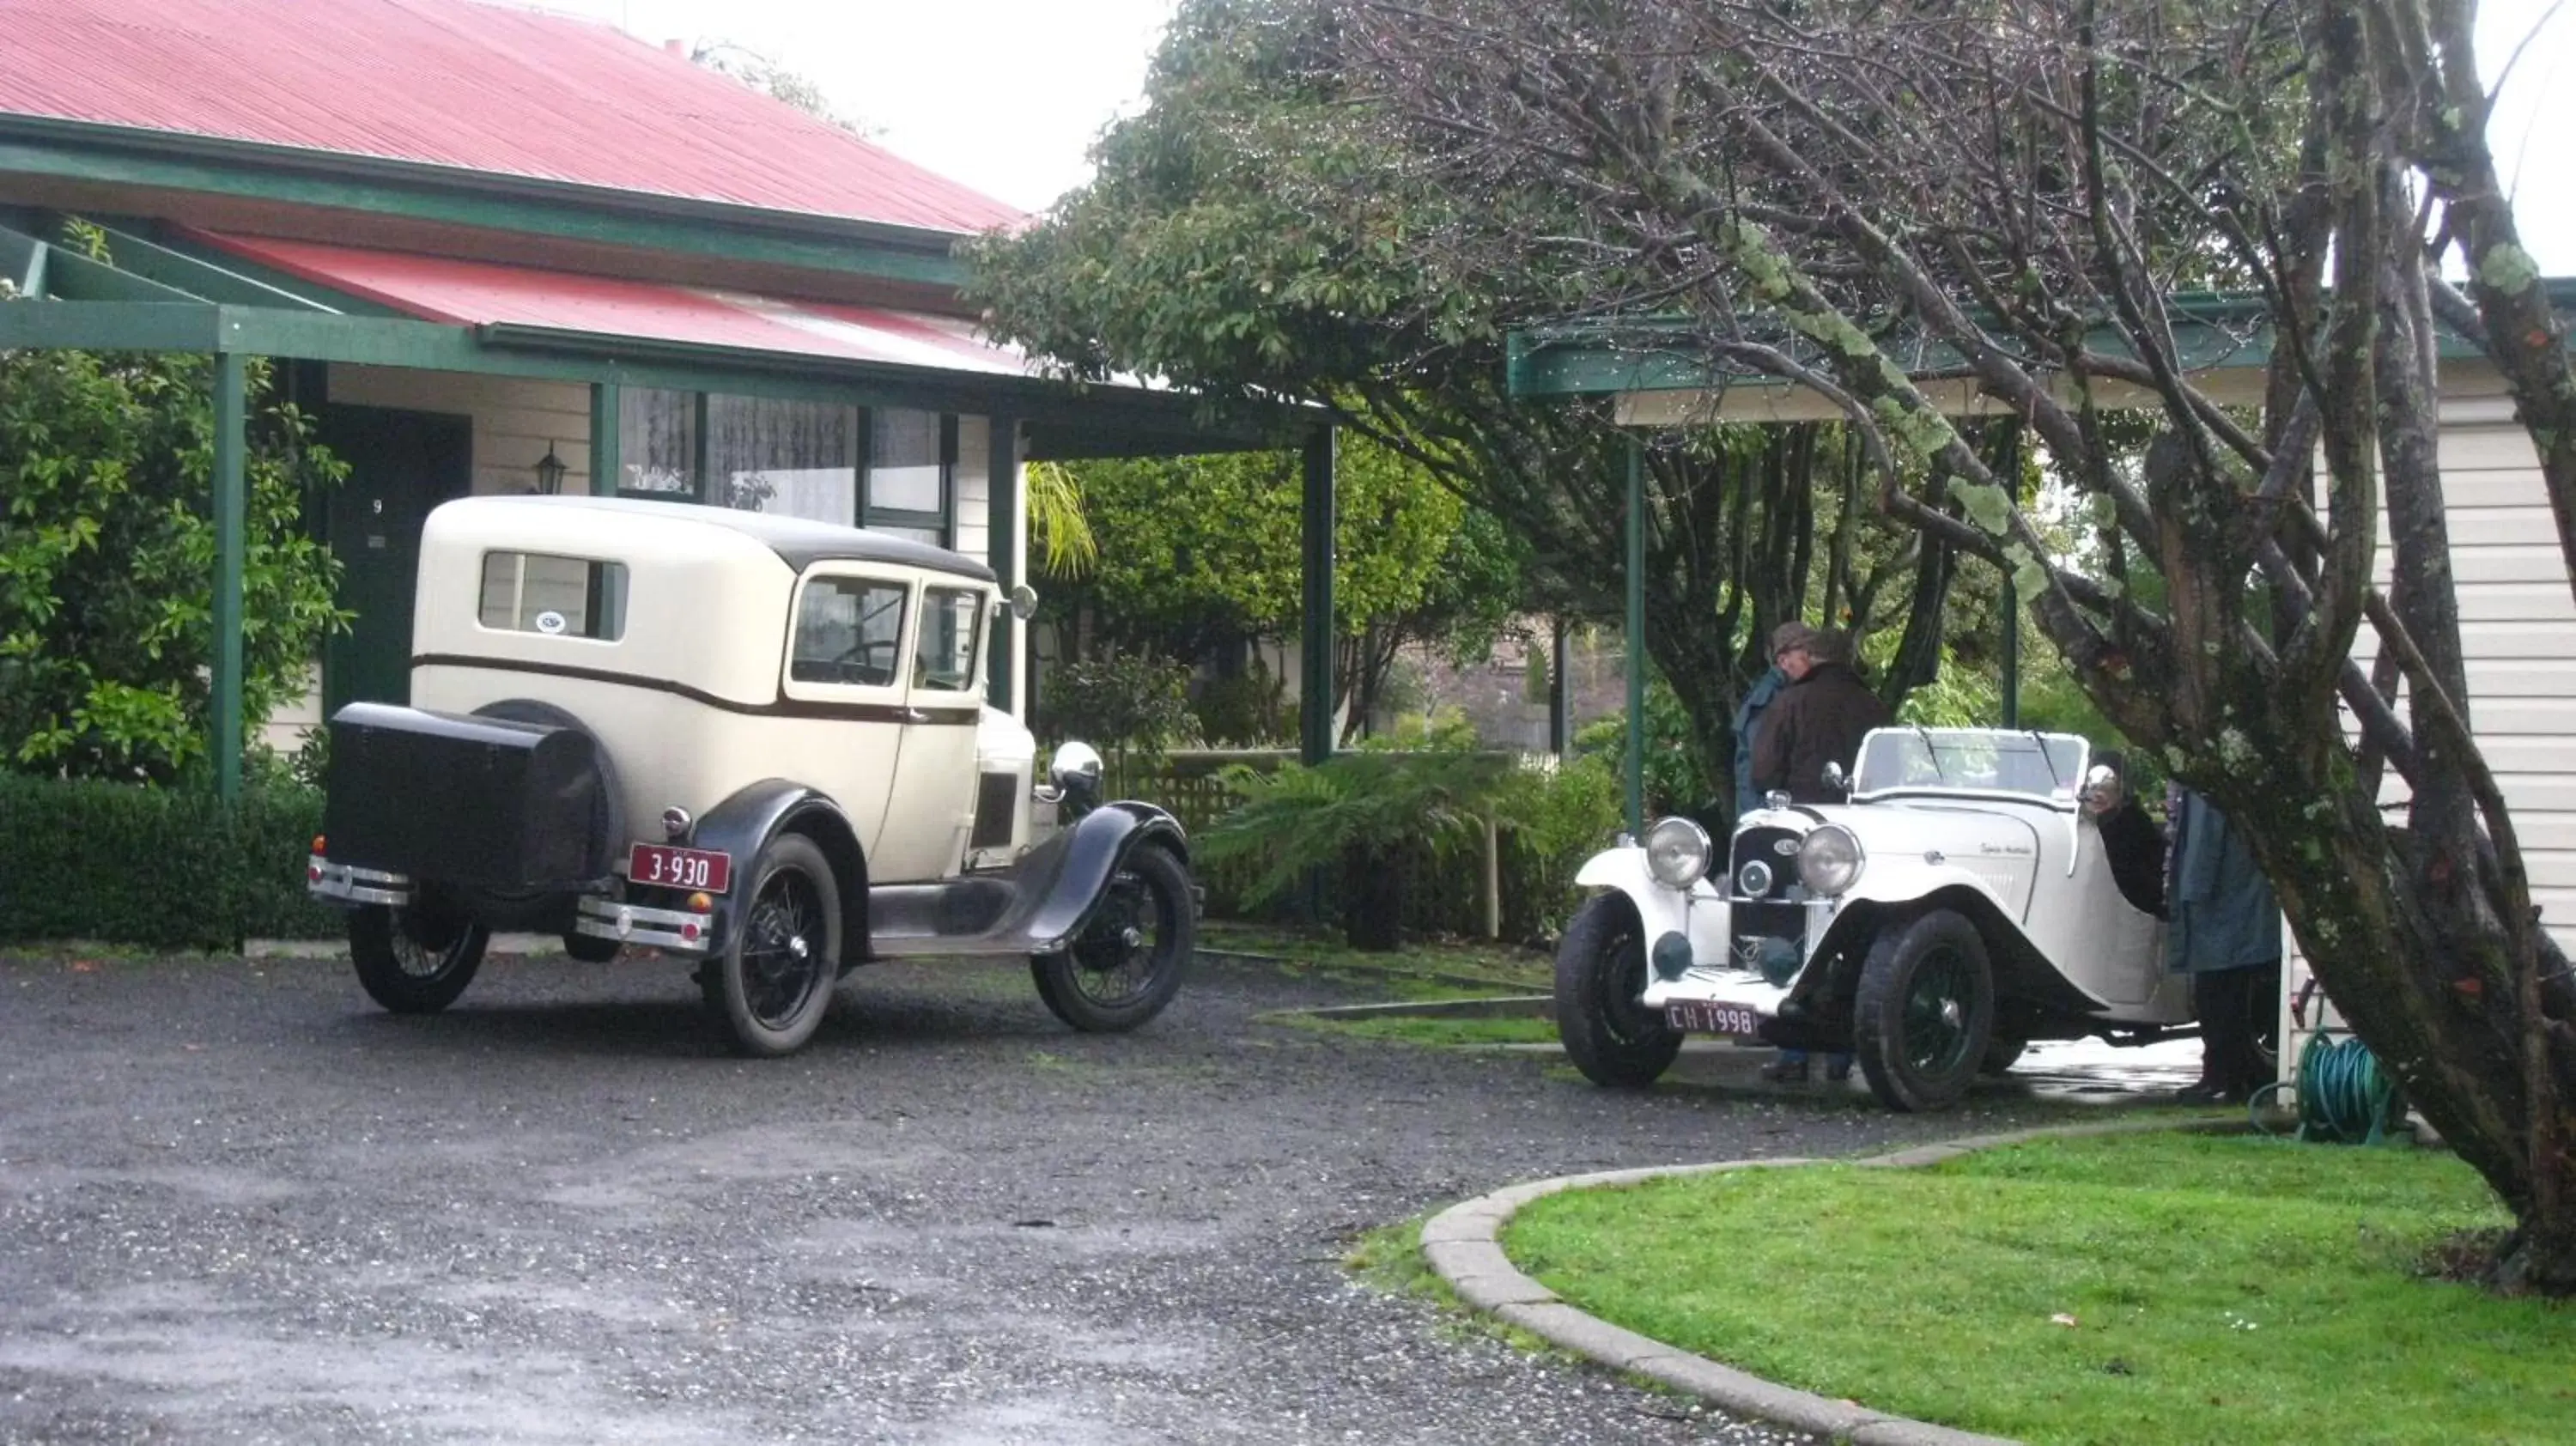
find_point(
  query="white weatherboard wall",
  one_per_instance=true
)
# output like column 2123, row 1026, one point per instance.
column 515, row 419
column 2518, row 634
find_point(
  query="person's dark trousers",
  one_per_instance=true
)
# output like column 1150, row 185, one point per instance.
column 2231, row 1005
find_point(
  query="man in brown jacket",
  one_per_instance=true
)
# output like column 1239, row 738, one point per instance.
column 1820, row 719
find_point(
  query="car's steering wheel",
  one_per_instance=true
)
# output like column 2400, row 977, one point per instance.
column 859, row 657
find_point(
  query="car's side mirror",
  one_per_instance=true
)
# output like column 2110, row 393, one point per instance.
column 1023, row 601
column 1836, row 779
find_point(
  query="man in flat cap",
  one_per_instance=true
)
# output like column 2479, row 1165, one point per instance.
column 1820, row 719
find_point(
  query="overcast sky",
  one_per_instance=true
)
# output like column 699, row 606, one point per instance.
column 1007, row 95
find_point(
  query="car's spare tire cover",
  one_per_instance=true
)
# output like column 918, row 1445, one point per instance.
column 608, row 836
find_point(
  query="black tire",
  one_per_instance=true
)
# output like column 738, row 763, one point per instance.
column 590, row 948
column 414, row 960
column 1132, row 953
column 2002, row 1053
column 1600, row 974
column 1925, row 1012
column 772, row 985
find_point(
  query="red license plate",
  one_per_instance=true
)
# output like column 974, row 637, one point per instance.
column 1693, row 1016
column 670, row 868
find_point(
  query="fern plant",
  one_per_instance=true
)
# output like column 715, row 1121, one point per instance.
column 1366, row 814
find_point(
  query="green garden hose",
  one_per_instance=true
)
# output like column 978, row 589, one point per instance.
column 2344, row 1096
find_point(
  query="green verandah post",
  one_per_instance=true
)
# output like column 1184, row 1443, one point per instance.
column 1635, row 647
column 1315, row 697
column 230, row 506
column 1004, row 512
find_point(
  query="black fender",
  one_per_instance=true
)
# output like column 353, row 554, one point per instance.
column 745, row 822
column 1086, row 854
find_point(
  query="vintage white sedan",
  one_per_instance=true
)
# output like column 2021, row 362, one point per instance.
column 755, row 743
column 1959, row 905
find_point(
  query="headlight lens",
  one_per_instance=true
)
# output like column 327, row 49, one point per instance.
column 1829, row 861
column 1677, row 852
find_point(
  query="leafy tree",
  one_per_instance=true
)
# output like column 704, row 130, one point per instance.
column 107, row 552
column 1257, row 233
column 2031, row 192
column 1208, row 556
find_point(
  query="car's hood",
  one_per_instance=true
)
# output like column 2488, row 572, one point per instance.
column 1954, row 828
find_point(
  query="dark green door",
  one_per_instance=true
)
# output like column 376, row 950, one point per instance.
column 401, row 464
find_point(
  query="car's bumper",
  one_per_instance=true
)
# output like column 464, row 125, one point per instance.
column 347, row 886
column 600, row 916
column 1715, row 999
column 676, row 929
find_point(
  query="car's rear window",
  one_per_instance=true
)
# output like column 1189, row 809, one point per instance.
column 849, row 630
column 561, row 597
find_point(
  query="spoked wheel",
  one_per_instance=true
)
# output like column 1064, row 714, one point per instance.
column 1600, row 974
column 1925, row 1012
column 1127, row 962
column 416, row 959
column 773, row 984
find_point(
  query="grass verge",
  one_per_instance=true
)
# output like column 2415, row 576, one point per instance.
column 1433, row 1033
column 2143, row 1290
column 1435, row 968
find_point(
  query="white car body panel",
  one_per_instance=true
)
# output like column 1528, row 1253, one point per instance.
column 694, row 699
column 2032, row 854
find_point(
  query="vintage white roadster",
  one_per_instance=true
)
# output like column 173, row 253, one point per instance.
column 755, row 743
column 1959, row 905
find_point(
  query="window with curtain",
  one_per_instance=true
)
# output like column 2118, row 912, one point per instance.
column 657, row 443
column 793, row 459
column 909, row 458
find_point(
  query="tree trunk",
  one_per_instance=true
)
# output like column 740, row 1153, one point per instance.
column 1372, row 898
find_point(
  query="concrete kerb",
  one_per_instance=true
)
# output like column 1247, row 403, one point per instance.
column 1463, row 1245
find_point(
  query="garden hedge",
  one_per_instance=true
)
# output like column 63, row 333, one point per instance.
column 164, row 868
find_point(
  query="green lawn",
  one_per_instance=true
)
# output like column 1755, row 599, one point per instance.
column 2221, row 1289
column 1446, row 966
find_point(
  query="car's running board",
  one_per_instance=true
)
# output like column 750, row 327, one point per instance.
column 1034, row 907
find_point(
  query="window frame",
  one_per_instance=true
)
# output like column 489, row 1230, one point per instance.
column 892, row 691
column 978, row 637
column 943, row 522
column 595, row 594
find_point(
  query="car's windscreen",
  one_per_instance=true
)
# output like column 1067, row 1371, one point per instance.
column 950, row 619
column 561, row 597
column 849, row 630
column 2042, row 765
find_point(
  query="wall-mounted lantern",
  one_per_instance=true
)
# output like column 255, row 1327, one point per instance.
column 550, row 472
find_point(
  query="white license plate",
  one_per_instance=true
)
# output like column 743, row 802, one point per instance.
column 1693, row 1016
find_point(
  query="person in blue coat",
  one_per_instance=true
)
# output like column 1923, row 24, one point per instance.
column 2224, row 930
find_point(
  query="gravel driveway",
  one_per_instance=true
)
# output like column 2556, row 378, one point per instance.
column 237, row 1203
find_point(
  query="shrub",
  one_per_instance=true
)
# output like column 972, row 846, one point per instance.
column 1372, row 814
column 162, row 868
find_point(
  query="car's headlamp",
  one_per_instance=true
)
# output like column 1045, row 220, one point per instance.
column 1829, row 861
column 1678, row 852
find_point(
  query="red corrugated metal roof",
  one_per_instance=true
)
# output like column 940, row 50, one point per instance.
column 475, row 293
column 485, row 87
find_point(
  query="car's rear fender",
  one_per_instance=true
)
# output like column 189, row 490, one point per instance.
column 744, row 824
column 2024, row 979
column 1698, row 916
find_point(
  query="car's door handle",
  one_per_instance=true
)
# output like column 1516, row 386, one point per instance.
column 912, row 715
